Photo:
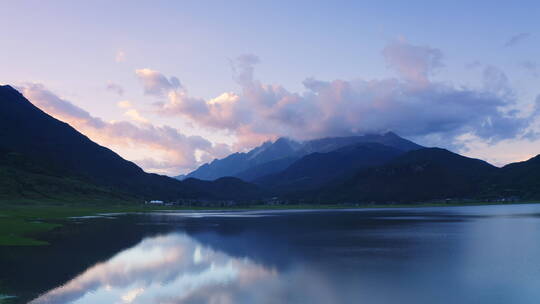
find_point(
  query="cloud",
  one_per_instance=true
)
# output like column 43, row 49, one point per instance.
column 413, row 63
column 473, row 65
column 156, row 83
column 115, row 88
column 243, row 67
column 124, row 104
column 222, row 112
column 531, row 67
column 58, row 107
column 412, row 104
column 516, row 39
column 537, row 105
column 496, row 81
column 120, row 56
column 178, row 151
column 136, row 116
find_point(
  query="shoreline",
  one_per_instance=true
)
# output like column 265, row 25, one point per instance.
column 22, row 225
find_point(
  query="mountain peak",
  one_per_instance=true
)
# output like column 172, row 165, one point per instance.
column 286, row 141
column 6, row 87
column 12, row 100
column 282, row 140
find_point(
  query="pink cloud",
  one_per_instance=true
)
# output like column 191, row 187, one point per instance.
column 179, row 150
column 412, row 104
column 413, row 63
column 155, row 83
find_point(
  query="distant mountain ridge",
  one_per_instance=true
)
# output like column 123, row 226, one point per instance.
column 383, row 168
column 419, row 175
column 241, row 161
column 520, row 179
column 316, row 169
column 272, row 157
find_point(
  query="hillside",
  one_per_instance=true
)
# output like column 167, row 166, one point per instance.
column 224, row 188
column 258, row 171
column 420, row 175
column 315, row 169
column 520, row 179
column 43, row 157
column 22, row 179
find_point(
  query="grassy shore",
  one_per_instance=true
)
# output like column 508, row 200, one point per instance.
column 22, row 224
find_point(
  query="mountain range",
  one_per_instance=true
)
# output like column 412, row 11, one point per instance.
column 42, row 158
column 272, row 157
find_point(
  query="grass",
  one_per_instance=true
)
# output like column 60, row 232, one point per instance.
column 15, row 232
column 22, row 224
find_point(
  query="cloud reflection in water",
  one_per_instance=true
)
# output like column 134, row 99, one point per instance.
column 166, row 269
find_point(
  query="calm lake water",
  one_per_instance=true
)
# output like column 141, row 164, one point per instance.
column 485, row 254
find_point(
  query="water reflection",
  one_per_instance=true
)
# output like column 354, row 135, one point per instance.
column 488, row 254
column 166, row 269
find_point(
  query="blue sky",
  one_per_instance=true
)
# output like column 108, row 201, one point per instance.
column 75, row 49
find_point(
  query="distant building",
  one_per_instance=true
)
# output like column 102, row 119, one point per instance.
column 156, row 202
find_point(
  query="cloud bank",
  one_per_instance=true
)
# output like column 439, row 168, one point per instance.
column 411, row 104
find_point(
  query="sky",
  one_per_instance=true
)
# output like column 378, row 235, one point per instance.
column 171, row 85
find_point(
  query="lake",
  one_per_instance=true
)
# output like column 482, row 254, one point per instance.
column 476, row 254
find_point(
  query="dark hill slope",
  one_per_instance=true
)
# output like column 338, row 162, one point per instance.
column 57, row 150
column 27, row 130
column 315, row 169
column 520, row 179
column 254, row 173
column 420, row 175
column 224, row 188
column 24, row 179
